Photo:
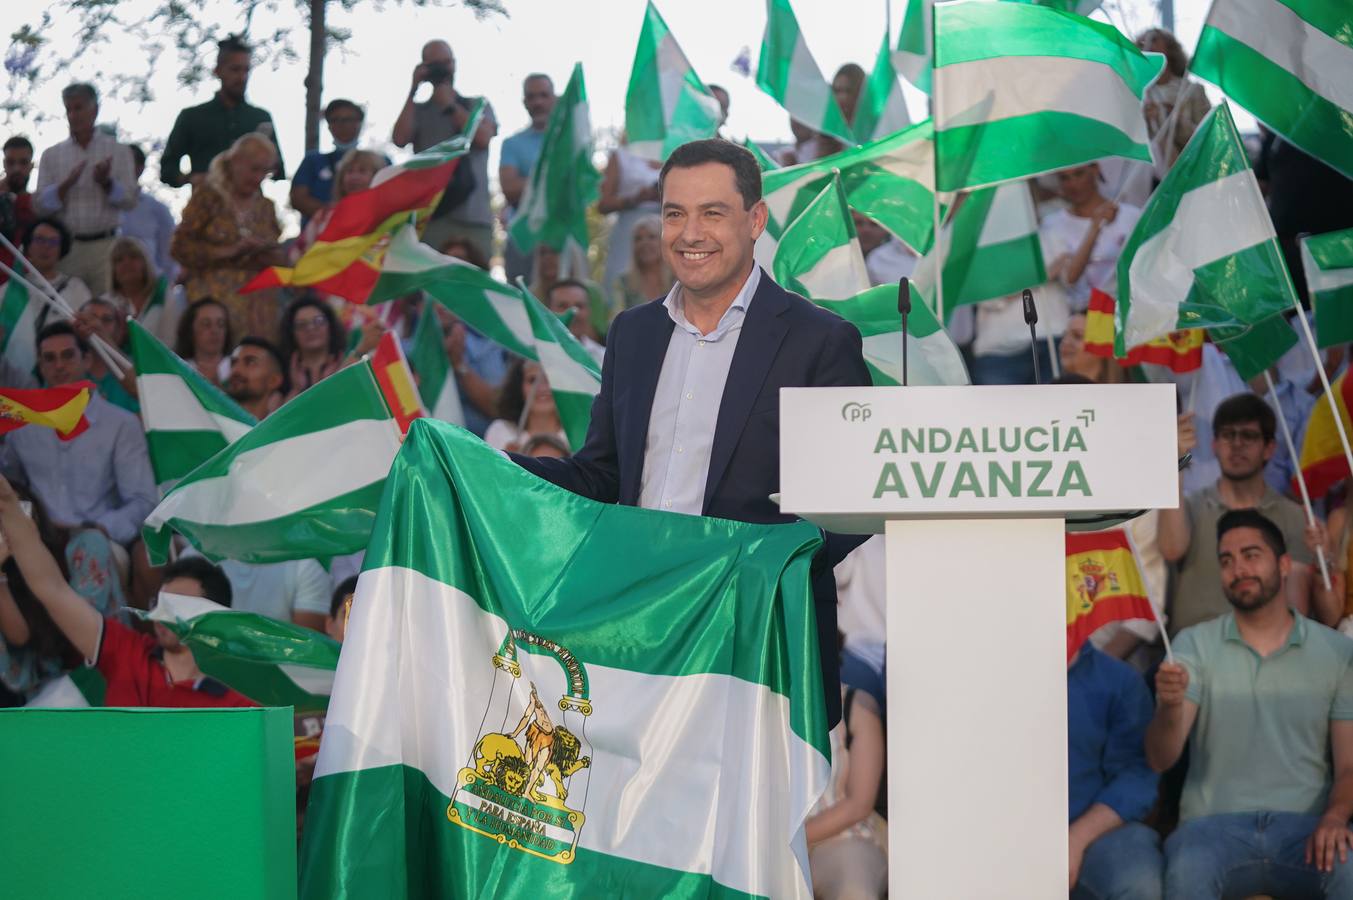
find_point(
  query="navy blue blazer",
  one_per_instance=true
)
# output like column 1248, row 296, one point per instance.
column 786, row 341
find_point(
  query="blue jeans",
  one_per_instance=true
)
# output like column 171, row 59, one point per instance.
column 1242, row 854
column 1017, row 368
column 1124, row 864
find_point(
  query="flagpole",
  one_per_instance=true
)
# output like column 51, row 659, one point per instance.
column 1155, row 612
column 1052, row 355
column 937, row 244
column 114, row 360
column 1320, row 371
column 1301, row 476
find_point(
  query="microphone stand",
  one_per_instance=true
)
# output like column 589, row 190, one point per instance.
column 904, row 307
column 1031, row 319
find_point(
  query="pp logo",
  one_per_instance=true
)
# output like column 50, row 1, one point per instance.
column 856, row 412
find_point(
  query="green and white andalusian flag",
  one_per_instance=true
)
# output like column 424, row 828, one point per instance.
column 762, row 160
column 788, row 72
column 667, row 104
column 1256, row 348
column 932, row 358
column 21, row 317
column 302, row 484
column 1020, row 90
column 187, row 419
column 912, row 58
column 1328, row 261
column 436, row 378
column 505, row 314
column 819, row 253
column 891, row 181
column 1290, row 63
column 563, row 184
column 273, row 663
column 515, row 716
column 882, row 110
column 1203, row 254
column 1079, row 7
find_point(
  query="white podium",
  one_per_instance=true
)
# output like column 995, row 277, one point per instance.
column 972, row 486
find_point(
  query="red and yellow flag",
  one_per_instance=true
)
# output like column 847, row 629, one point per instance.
column 1103, row 584
column 1322, row 453
column 396, row 381
column 59, row 408
column 1180, row 351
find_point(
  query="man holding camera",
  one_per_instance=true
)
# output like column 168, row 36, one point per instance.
column 464, row 211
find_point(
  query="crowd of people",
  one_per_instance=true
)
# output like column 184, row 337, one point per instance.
column 1226, row 770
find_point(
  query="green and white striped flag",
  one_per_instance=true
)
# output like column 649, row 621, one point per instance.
column 273, row 663
column 1020, row 90
column 564, row 182
column 882, row 110
column 1290, row 63
column 492, row 734
column 21, row 318
column 819, row 253
column 1079, row 7
column 436, row 378
column 912, row 57
column 1328, row 262
column 187, row 418
column 891, row 181
column 574, row 376
column 762, row 160
column 1256, row 348
column 1203, row 254
column 667, row 104
column 303, row 484
column 788, row 72
column 932, row 358
column 992, row 249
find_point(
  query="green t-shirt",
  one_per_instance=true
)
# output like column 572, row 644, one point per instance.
column 1262, row 737
column 200, row 132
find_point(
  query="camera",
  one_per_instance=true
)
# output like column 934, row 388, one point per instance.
column 435, row 73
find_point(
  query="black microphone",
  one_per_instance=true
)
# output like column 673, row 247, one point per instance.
column 904, row 307
column 1031, row 319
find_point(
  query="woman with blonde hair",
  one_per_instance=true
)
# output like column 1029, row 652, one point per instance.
column 648, row 276
column 229, row 233
column 140, row 291
column 355, row 172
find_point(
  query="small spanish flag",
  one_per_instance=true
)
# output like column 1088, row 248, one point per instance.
column 1179, row 351
column 396, row 381
column 1103, row 584
column 1322, row 452
column 60, row 408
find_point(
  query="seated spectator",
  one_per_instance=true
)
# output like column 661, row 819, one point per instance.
column 545, row 270
column 526, row 408
column 355, row 171
column 100, row 478
column 141, row 292
column 204, row 339
column 45, row 245
column 229, row 233
column 1083, row 240
column 16, row 203
column 648, row 276
column 847, row 831
column 480, row 364
column 312, row 187
column 150, row 222
column 340, row 607
column 1076, row 360
column 102, row 317
column 140, row 670
column 1263, row 697
column 313, row 343
column 257, row 380
column 1111, row 788
column 570, row 294
column 297, row 590
column 1243, row 439
column 629, row 189
column 847, row 84
column 32, row 649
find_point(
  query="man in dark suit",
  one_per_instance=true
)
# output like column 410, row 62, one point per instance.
column 688, row 416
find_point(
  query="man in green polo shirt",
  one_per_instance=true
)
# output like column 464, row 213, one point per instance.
column 1264, row 698
column 201, row 132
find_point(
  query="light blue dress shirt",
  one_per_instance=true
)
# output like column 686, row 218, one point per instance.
column 686, row 404
column 151, row 222
column 101, row 477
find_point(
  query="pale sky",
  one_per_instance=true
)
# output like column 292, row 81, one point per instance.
column 374, row 66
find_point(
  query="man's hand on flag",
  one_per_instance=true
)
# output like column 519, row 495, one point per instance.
column 1172, row 680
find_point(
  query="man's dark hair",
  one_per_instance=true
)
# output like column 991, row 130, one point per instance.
column 1071, row 378
column 1252, row 518
column 138, row 155
column 339, row 104
column 347, row 586
column 566, row 283
column 267, row 346
column 81, row 88
column 537, row 76
column 746, row 172
column 232, row 43
column 1241, row 409
column 19, row 141
column 56, row 329
column 215, row 584
column 56, row 224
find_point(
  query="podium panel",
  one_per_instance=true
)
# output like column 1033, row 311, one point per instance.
column 148, row 803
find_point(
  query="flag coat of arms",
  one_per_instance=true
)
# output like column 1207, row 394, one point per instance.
column 531, row 703
column 1179, row 351
column 1103, row 584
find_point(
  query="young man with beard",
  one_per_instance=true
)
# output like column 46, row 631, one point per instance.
column 257, row 377
column 1265, row 698
column 1243, row 429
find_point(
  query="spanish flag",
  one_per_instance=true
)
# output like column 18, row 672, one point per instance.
column 396, row 381
column 59, row 408
column 1103, row 585
column 345, row 259
column 1322, row 453
column 1179, row 351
